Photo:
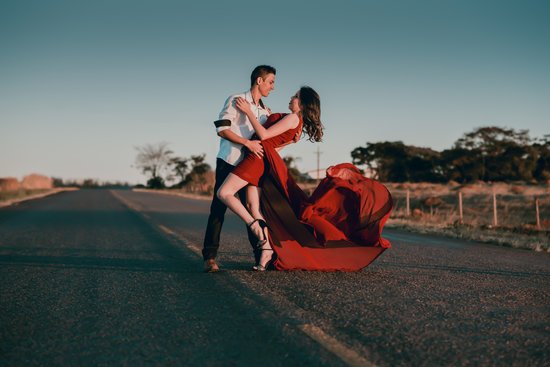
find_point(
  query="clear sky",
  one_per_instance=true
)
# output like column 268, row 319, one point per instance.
column 84, row 82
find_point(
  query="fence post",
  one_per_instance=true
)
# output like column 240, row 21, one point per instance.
column 495, row 217
column 408, row 203
column 537, row 212
column 460, row 207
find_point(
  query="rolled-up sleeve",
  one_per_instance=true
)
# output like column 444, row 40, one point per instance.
column 222, row 125
column 227, row 115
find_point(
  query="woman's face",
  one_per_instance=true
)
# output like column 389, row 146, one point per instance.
column 294, row 104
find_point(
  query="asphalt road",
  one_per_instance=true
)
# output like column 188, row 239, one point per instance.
column 99, row 277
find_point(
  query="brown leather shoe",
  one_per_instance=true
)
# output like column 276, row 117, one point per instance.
column 210, row 266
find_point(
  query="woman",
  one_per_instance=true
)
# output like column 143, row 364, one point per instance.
column 337, row 228
column 278, row 130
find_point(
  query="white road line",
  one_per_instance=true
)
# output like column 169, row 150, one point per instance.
column 347, row 355
column 190, row 245
column 130, row 205
column 166, row 230
column 195, row 249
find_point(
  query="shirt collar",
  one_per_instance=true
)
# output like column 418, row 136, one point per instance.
column 248, row 97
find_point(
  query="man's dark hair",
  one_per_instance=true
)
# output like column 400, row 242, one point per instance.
column 261, row 71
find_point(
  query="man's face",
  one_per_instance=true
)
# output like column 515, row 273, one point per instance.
column 266, row 85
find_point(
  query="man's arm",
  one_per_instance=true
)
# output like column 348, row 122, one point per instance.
column 255, row 146
column 228, row 114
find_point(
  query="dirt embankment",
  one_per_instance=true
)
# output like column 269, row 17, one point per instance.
column 30, row 182
column 33, row 186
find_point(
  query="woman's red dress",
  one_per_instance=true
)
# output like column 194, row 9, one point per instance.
column 338, row 227
column 252, row 168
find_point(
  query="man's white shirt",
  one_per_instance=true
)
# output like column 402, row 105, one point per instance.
column 232, row 118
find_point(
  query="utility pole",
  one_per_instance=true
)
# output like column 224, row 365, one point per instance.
column 318, row 161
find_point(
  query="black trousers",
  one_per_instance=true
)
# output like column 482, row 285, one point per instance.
column 217, row 213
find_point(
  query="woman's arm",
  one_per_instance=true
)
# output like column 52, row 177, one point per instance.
column 288, row 122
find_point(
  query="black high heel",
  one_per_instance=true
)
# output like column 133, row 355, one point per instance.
column 260, row 267
column 261, row 241
column 261, row 244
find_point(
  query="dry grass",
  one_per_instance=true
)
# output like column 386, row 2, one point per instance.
column 19, row 194
column 434, row 209
column 536, row 240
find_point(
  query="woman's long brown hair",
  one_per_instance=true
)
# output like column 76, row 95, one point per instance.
column 311, row 113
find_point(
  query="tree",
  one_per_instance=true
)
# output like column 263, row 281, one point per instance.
column 542, row 166
column 180, row 167
column 424, row 164
column 386, row 159
column 197, row 176
column 290, row 163
column 397, row 162
column 506, row 154
column 154, row 160
column 492, row 137
column 462, row 165
column 487, row 153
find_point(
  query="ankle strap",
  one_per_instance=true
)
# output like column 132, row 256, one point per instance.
column 251, row 223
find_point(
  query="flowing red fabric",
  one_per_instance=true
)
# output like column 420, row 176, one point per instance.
column 338, row 227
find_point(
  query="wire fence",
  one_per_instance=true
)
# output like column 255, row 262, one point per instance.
column 480, row 210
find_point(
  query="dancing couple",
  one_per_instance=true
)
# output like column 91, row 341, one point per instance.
column 338, row 227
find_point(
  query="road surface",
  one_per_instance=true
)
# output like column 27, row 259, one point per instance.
column 98, row 277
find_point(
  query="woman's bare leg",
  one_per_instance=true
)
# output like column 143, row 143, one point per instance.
column 226, row 193
column 253, row 201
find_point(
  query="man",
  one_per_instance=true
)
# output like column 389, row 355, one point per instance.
column 235, row 130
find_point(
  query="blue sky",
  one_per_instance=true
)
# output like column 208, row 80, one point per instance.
column 84, row 82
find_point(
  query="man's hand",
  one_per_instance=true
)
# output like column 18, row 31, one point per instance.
column 255, row 146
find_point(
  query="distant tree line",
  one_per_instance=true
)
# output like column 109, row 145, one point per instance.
column 162, row 166
column 487, row 154
column 90, row 183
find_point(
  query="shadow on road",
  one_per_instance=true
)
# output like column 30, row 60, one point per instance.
column 462, row 269
column 97, row 263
